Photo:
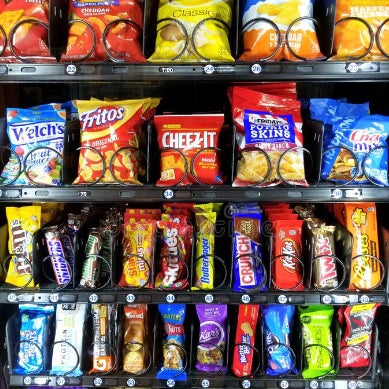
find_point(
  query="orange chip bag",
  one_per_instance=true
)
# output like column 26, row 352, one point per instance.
column 30, row 38
column 188, row 145
column 261, row 40
column 110, row 140
column 353, row 38
column 117, row 31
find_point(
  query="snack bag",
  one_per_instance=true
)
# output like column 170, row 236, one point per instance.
column 360, row 136
column 352, row 38
column 260, row 38
column 103, row 316
column 190, row 31
column 188, row 146
column 117, row 28
column 135, row 331
column 212, row 337
column 34, row 333
column 23, row 222
column 357, row 335
column 287, row 273
column 277, row 330
column 245, row 336
column 36, row 140
column 173, row 343
column 68, row 347
column 30, row 39
column 107, row 127
column 138, row 254
column 361, row 220
column 317, row 340
column 269, row 139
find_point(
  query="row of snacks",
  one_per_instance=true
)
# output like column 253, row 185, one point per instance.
column 114, row 142
column 187, row 31
column 174, row 341
column 185, row 246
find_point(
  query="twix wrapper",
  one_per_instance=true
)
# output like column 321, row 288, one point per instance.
column 245, row 340
column 361, row 220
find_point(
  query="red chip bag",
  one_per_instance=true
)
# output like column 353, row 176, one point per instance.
column 117, row 24
column 188, row 144
column 29, row 38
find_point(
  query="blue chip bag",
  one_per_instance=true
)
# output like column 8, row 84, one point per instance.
column 248, row 270
column 36, row 139
column 277, row 328
column 33, row 347
column 346, row 150
column 173, row 344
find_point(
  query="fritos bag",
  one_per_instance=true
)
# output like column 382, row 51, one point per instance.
column 30, row 38
column 352, row 38
column 190, row 31
column 260, row 38
column 122, row 37
column 107, row 127
column 187, row 140
column 267, row 126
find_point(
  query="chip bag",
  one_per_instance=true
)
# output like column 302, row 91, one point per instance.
column 30, row 38
column 269, row 138
column 317, row 340
column 260, row 37
column 111, row 135
column 36, row 140
column 190, row 31
column 188, row 146
column 23, row 222
column 352, row 38
column 116, row 25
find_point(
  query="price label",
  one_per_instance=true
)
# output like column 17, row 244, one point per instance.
column 208, row 298
column 170, row 298
column 170, row 383
column 83, row 193
column 93, row 298
column 166, row 69
column 245, row 299
column 130, row 298
column 131, row 382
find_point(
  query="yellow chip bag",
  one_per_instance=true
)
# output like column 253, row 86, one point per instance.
column 23, row 222
column 193, row 30
column 111, row 134
column 353, row 38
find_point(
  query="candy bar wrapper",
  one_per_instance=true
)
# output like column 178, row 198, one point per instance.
column 176, row 243
column 212, row 337
column 245, row 335
column 173, row 344
column 316, row 326
column 359, row 320
column 325, row 273
column 134, row 348
column 361, row 220
column 138, row 239
column 205, row 247
column 23, row 222
column 277, row 328
column 33, row 341
column 287, row 271
column 103, row 316
column 247, row 259
column 55, row 248
column 66, row 359
column 91, row 266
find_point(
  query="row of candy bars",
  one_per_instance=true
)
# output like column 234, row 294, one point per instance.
column 274, row 246
column 122, row 340
column 190, row 32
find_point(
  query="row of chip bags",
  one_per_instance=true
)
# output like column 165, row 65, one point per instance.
column 176, row 341
column 277, row 139
column 239, row 247
column 194, row 31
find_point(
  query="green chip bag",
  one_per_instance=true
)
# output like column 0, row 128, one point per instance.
column 317, row 339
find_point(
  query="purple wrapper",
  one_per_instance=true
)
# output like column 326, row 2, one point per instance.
column 212, row 337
